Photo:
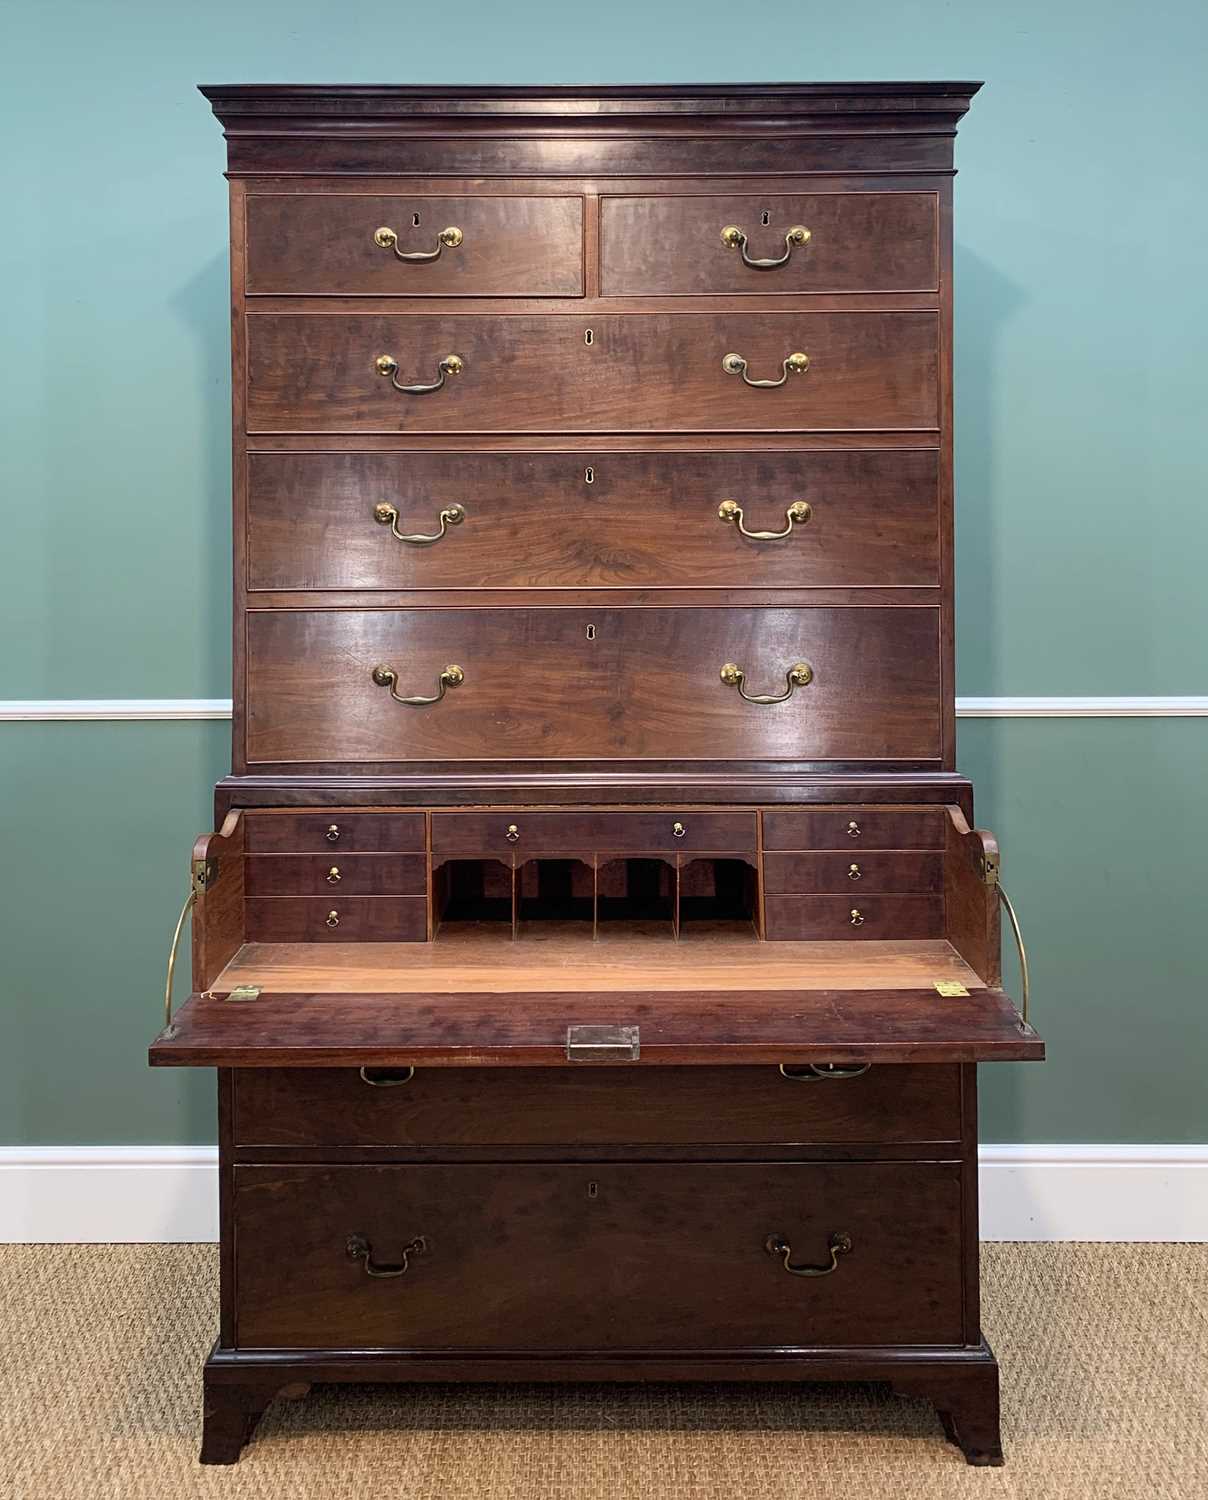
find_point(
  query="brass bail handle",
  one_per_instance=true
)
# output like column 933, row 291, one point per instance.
column 190, row 902
column 386, row 364
column 358, row 1247
column 1024, row 977
column 796, row 515
column 385, row 676
column 735, row 239
column 386, row 514
column 810, row 1072
column 837, row 1244
column 448, row 239
column 792, row 364
column 800, row 674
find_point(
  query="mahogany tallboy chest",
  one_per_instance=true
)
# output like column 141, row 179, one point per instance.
column 595, row 948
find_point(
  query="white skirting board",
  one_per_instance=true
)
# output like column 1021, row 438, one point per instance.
column 125, row 1194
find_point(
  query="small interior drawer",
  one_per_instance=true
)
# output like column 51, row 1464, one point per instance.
column 855, row 871
column 336, row 919
column 901, row 918
column 333, row 830
column 488, row 1107
column 855, row 828
column 526, row 832
column 337, row 875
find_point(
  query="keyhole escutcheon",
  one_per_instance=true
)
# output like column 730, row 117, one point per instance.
column 415, row 221
column 591, row 632
column 589, row 475
column 589, row 337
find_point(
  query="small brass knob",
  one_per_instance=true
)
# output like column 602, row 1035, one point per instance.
column 800, row 510
column 451, row 236
column 385, row 364
column 853, row 829
column 730, row 674
column 513, row 834
column 801, row 674
column 853, row 872
column 678, row 830
column 333, row 875
column 855, row 918
column 453, row 364
column 333, row 919
column 732, row 236
column 333, row 834
column 797, row 364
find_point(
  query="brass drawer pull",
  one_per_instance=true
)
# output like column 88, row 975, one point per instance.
column 386, row 1078
column 811, row 1071
column 450, row 238
column 678, row 830
column 853, row 829
column 513, row 834
column 333, row 919
column 798, row 513
column 387, row 515
column 358, row 1247
column 385, row 676
column 333, row 834
column 735, row 239
column 333, row 876
column 837, row 1244
column 386, row 364
column 854, row 872
column 735, row 364
column 856, row 918
column 800, row 674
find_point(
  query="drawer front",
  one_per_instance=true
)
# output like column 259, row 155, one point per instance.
column 597, row 1256
column 332, row 876
column 334, row 831
column 583, row 684
column 538, row 373
column 855, row 828
column 336, row 919
column 329, row 243
column 887, row 918
column 858, row 242
column 854, row 873
column 315, row 520
column 630, row 832
column 488, row 1107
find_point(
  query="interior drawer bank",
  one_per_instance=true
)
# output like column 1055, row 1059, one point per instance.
column 601, row 1255
column 531, row 831
column 891, row 1104
column 414, row 245
column 822, row 242
column 566, row 683
column 686, row 372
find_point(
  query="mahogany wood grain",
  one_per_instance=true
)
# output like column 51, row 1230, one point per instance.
column 335, row 830
column 533, row 374
column 546, row 1256
column 855, row 916
column 218, row 928
column 973, row 921
column 335, row 876
column 325, row 244
column 539, row 686
column 336, row 918
column 859, row 242
column 632, row 832
column 855, row 874
column 855, row 828
column 579, row 520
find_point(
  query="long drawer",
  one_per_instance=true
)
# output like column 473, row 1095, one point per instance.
column 534, row 831
column 852, row 242
column 486, row 1107
column 566, row 520
column 366, row 244
column 537, row 684
column 599, row 1256
column 657, row 372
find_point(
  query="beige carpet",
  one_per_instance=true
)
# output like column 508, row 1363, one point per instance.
column 1104, row 1352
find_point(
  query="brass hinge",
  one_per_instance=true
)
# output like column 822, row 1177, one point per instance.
column 244, row 992
column 602, row 1044
column 988, row 866
column 205, row 873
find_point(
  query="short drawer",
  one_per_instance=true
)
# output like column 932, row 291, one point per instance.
column 804, row 918
column 586, row 832
column 855, row 828
column 414, row 246
column 597, row 1256
column 336, row 919
column 853, row 242
column 334, row 830
column 489, row 1107
column 854, row 872
column 328, row 876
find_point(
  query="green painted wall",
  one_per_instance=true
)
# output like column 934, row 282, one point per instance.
column 1082, row 524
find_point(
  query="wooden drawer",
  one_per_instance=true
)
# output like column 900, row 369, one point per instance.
column 592, row 683
column 858, row 242
column 488, row 1107
column 657, row 372
column 855, row 828
column 334, row 831
column 599, row 1256
column 804, row 918
column 634, row 520
column 335, row 878
column 854, row 872
column 585, row 832
column 326, row 243
column 357, row 919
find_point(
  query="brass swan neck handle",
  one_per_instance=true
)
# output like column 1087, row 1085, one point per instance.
column 358, row 1247
column 797, row 514
column 837, row 1244
column 791, row 364
column 386, row 364
column 735, row 239
column 385, row 676
column 386, row 514
column 800, row 674
column 386, row 239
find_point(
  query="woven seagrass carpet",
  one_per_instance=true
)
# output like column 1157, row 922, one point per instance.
column 1104, row 1353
